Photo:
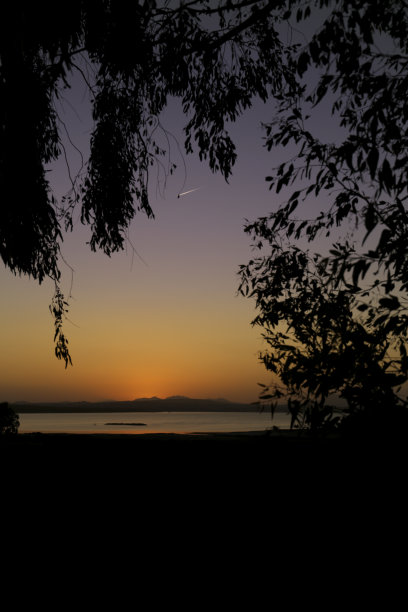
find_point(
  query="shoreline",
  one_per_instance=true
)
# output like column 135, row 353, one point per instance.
column 272, row 435
column 133, row 441
column 255, row 446
column 26, row 437
column 265, row 438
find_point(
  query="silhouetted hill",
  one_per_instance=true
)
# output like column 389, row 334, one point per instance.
column 153, row 404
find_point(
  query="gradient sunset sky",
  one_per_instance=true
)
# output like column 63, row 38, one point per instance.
column 167, row 322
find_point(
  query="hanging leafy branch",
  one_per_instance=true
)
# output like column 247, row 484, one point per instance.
column 59, row 310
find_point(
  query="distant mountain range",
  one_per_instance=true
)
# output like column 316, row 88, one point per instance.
column 174, row 403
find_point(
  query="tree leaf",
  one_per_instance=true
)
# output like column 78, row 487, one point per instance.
column 372, row 160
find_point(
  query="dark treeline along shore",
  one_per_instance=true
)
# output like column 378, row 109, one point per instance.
column 154, row 404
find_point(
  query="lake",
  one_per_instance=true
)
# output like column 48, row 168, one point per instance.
column 153, row 422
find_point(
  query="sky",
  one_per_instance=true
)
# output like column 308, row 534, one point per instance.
column 167, row 318
column 165, row 321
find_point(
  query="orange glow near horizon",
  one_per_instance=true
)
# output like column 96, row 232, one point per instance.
column 170, row 324
column 203, row 353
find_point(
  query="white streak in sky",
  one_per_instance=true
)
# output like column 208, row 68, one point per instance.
column 189, row 191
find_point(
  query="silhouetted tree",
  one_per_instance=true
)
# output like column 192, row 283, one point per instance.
column 9, row 422
column 317, row 347
column 345, row 310
column 214, row 55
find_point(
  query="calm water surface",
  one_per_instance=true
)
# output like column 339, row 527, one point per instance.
column 157, row 422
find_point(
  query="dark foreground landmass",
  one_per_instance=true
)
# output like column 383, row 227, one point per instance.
column 236, row 500
column 209, row 450
column 222, row 477
column 268, row 444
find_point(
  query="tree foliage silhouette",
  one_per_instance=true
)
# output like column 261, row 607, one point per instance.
column 9, row 421
column 346, row 310
column 214, row 56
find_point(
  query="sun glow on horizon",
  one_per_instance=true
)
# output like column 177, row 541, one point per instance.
column 144, row 351
column 172, row 327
